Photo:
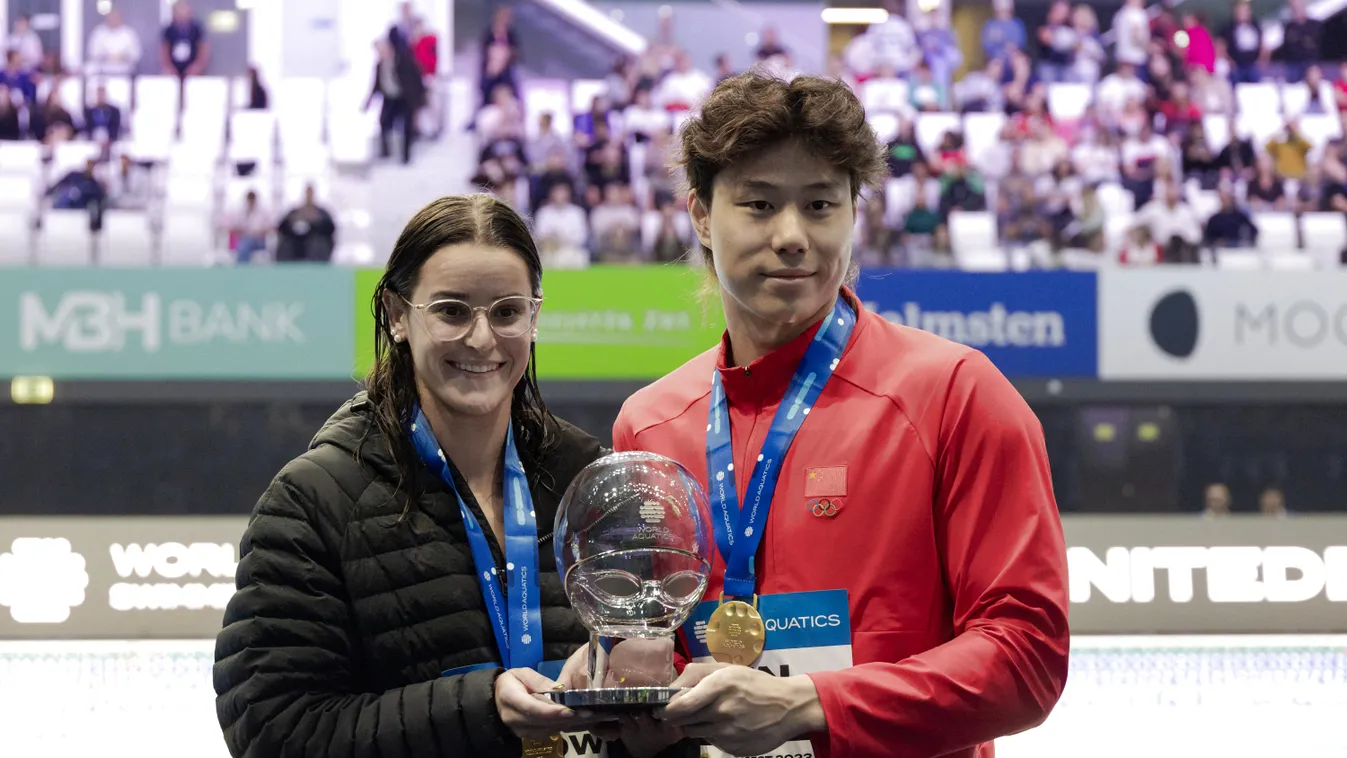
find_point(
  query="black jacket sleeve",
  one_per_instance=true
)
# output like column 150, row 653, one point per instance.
column 286, row 665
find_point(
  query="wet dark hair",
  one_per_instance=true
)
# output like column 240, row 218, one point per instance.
column 755, row 111
column 391, row 383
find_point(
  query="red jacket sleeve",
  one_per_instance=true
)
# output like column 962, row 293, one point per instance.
column 624, row 438
column 1004, row 561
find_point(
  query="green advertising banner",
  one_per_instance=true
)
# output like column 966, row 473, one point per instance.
column 291, row 322
column 606, row 322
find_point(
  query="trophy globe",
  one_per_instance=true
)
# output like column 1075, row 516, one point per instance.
column 633, row 547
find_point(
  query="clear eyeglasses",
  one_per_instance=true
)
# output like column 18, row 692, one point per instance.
column 450, row 320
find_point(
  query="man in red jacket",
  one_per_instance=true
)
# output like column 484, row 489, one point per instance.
column 890, row 578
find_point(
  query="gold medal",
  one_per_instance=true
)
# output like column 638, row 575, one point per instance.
column 552, row 747
column 735, row 633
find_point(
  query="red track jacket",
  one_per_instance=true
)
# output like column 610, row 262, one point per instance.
column 947, row 538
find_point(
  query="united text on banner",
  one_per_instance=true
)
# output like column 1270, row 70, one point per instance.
column 1032, row 324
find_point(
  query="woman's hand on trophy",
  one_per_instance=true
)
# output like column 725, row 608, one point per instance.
column 528, row 713
column 575, row 672
column 744, row 711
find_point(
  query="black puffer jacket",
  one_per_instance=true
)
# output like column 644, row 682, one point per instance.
column 345, row 617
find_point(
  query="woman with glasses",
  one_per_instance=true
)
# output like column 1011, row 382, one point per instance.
column 397, row 591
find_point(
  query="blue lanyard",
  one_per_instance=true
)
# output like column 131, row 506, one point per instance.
column 739, row 542
column 519, row 634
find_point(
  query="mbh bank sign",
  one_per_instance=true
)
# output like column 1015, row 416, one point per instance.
column 1185, row 574
column 177, row 324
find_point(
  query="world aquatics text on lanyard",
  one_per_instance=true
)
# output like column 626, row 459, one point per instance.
column 519, row 632
column 735, row 632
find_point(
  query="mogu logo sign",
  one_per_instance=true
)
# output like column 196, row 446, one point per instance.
column 90, row 321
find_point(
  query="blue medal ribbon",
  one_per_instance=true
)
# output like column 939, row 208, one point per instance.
column 739, row 532
column 516, row 619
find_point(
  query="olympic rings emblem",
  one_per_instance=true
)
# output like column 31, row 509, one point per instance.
column 824, row 507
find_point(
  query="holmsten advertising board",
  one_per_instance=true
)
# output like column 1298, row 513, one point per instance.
column 170, row 577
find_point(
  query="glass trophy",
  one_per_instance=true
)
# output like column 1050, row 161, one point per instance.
column 633, row 546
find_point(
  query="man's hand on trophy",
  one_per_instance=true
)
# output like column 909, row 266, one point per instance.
column 524, row 708
column 631, row 663
column 744, row 711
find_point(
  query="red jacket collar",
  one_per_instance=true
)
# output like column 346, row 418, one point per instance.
column 765, row 380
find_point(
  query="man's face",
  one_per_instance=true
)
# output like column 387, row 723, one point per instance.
column 1218, row 499
column 780, row 231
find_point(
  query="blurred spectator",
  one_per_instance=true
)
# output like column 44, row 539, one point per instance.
column 939, row 49
column 1212, row 94
column 588, row 125
column 1171, row 224
column 1272, row 503
column 643, row 119
column 1237, row 157
column 1301, row 43
column 554, row 171
column 1289, row 151
column 1018, row 221
column 1056, row 192
column 1216, row 501
column 618, row 83
column 1019, row 81
column 1086, row 228
column 904, row 150
column 606, row 164
column 1160, row 78
column 248, row 229
column 663, row 50
column 1132, row 33
column 724, row 69
column 892, row 44
column 1042, row 150
column 875, row 241
column 1179, row 111
column 684, row 88
column 655, row 172
column 1312, row 195
column 1090, row 57
column 672, row 236
column 1200, row 50
column 1266, row 192
column 980, row 91
column 1230, row 227
column 497, row 71
column 52, row 122
column 425, row 49
column 1117, row 90
column 406, row 23
column 114, row 47
column 1314, row 93
column 501, row 120
column 1003, row 32
column 10, row 128
column 184, row 51
column 306, row 234
column 920, row 226
column 616, row 226
column 258, row 99
column 1142, row 155
column 398, row 81
column 1244, row 44
column 129, row 184
column 548, row 141
column 960, row 190
column 79, row 190
column 769, row 45
column 1198, row 159
column 927, row 94
column 103, row 120
column 1057, row 43
column 24, row 41
column 1096, row 157
column 499, row 42
column 18, row 80
column 562, row 230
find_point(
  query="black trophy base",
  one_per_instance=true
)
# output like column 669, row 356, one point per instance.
column 615, row 699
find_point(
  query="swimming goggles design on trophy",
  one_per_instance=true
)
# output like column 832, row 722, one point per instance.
column 633, row 545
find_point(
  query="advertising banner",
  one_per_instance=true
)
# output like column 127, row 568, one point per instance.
column 166, row 323
column 1166, row 324
column 1189, row 575
column 170, row 577
column 1032, row 324
column 605, row 322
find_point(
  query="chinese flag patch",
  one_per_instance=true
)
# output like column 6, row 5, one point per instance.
column 828, row 481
